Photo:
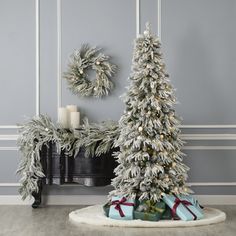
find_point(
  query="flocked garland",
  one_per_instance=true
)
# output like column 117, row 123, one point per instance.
column 39, row 131
column 96, row 138
column 83, row 60
column 33, row 135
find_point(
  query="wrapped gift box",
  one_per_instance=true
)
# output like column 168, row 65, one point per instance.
column 106, row 209
column 121, row 208
column 167, row 214
column 147, row 210
column 182, row 207
column 194, row 201
column 146, row 216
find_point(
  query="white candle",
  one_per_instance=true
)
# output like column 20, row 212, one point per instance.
column 71, row 108
column 74, row 120
column 63, row 116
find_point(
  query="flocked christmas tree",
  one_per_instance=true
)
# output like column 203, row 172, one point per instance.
column 150, row 157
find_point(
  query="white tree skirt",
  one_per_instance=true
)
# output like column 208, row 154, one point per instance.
column 94, row 215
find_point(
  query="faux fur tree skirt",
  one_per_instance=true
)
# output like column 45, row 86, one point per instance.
column 93, row 215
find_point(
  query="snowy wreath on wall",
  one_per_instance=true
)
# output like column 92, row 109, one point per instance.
column 81, row 62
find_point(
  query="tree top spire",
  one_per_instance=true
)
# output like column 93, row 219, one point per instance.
column 147, row 31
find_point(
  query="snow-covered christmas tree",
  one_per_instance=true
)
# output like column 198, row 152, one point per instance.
column 150, row 158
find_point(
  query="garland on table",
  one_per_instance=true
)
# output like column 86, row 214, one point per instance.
column 33, row 135
column 39, row 131
column 78, row 80
column 97, row 139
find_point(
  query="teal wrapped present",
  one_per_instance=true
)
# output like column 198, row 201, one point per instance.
column 194, row 201
column 149, row 211
column 121, row 208
column 183, row 208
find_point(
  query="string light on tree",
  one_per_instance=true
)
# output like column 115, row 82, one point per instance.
column 140, row 128
column 167, row 178
column 161, row 136
column 176, row 189
column 174, row 164
column 185, row 189
column 146, row 33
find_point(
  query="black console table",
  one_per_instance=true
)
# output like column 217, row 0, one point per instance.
column 63, row 169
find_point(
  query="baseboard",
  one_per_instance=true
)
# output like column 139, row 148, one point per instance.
column 100, row 199
column 216, row 199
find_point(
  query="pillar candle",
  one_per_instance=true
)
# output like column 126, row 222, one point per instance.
column 63, row 116
column 71, row 108
column 74, row 120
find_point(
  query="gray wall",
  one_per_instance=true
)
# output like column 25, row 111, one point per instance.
column 198, row 38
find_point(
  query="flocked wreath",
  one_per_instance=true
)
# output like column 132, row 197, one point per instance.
column 81, row 62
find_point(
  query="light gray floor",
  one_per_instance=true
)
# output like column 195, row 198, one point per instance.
column 53, row 220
